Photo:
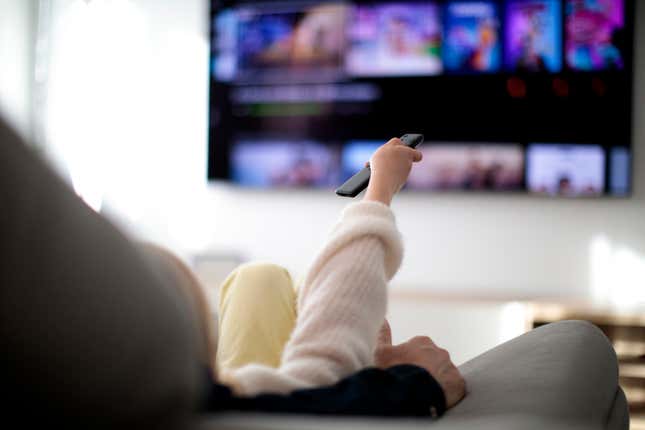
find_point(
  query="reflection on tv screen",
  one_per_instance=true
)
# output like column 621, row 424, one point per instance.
column 472, row 36
column 533, row 35
column 282, row 163
column 595, row 34
column 566, row 170
column 468, row 167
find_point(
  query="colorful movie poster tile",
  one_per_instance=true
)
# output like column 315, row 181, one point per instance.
column 472, row 37
column 595, row 35
column 533, row 35
column 224, row 45
column 395, row 39
column 278, row 41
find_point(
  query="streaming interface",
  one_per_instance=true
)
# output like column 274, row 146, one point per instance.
column 512, row 95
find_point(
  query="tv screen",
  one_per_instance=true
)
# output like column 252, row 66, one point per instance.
column 526, row 96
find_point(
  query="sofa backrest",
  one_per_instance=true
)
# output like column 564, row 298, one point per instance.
column 91, row 331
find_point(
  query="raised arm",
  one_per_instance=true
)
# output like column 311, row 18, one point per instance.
column 342, row 303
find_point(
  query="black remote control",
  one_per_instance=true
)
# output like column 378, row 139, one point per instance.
column 357, row 183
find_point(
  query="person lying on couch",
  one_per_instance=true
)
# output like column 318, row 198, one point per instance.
column 264, row 348
column 97, row 332
column 99, row 329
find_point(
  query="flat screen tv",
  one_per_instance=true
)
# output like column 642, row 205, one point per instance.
column 528, row 96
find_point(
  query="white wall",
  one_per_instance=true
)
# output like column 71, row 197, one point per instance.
column 517, row 245
column 16, row 59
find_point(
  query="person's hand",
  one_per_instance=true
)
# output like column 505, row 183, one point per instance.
column 390, row 166
column 421, row 351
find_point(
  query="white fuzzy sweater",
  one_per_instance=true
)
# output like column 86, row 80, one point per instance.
column 341, row 307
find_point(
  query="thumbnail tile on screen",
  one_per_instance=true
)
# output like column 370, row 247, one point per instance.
column 281, row 163
column 276, row 41
column 594, row 34
column 282, row 38
column 395, row 39
column 620, row 171
column 224, row 61
column 468, row 167
column 472, row 36
column 566, row 170
column 533, row 35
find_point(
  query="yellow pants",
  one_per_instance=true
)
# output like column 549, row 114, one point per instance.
column 257, row 313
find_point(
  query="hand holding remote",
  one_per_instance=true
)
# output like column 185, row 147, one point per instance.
column 398, row 149
column 390, row 167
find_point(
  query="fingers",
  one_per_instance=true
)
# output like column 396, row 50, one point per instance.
column 418, row 156
column 385, row 335
column 422, row 340
column 427, row 342
column 414, row 155
column 443, row 353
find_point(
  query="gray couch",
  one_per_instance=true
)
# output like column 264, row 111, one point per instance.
column 562, row 376
column 94, row 334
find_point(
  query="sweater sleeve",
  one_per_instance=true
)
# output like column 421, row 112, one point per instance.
column 341, row 307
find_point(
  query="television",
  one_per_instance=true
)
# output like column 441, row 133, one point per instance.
column 524, row 96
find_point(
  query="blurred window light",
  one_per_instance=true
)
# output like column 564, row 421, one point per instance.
column 126, row 115
column 617, row 274
column 512, row 321
column 16, row 59
column 96, row 51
